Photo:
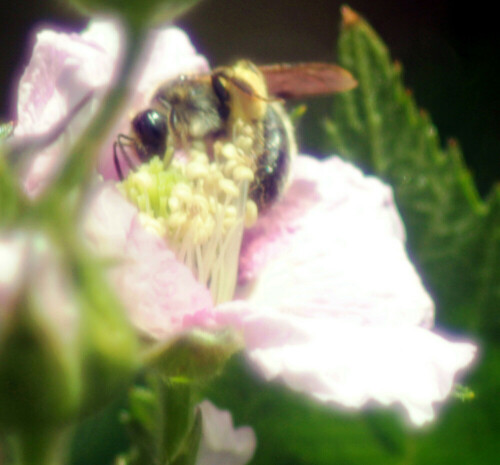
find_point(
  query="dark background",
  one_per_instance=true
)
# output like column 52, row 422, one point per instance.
column 449, row 53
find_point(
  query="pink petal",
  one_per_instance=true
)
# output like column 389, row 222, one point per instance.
column 221, row 443
column 333, row 306
column 64, row 67
column 335, row 243
column 160, row 293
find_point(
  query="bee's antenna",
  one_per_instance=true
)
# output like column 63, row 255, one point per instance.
column 117, row 162
column 121, row 142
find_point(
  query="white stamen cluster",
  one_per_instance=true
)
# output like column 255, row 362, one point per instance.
column 210, row 211
column 207, row 208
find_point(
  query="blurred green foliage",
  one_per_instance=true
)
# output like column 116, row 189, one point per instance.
column 137, row 13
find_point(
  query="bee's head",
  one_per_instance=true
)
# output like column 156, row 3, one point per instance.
column 191, row 106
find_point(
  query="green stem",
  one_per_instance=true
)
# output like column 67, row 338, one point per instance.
column 175, row 418
column 40, row 447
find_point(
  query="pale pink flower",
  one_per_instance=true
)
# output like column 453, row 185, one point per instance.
column 327, row 298
column 222, row 443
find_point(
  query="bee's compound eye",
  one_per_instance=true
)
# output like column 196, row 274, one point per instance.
column 151, row 128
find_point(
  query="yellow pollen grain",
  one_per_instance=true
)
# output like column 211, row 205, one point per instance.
column 174, row 204
column 182, row 191
column 196, row 170
column 198, row 155
column 229, row 167
column 156, row 226
column 229, row 187
column 251, row 213
column 144, row 180
column 245, row 143
column 229, row 151
column 177, row 219
column 243, row 173
column 231, row 211
column 200, row 204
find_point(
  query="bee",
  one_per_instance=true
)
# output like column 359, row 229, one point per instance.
column 205, row 107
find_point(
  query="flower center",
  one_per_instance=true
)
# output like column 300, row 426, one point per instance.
column 201, row 206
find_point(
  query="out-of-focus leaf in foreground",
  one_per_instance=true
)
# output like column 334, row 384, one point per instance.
column 453, row 234
column 136, row 12
column 10, row 199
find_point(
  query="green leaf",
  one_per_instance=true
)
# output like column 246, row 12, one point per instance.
column 99, row 438
column 188, row 455
column 177, row 404
column 380, row 127
column 142, row 407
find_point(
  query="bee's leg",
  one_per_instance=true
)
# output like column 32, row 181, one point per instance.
column 121, row 143
column 117, row 162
